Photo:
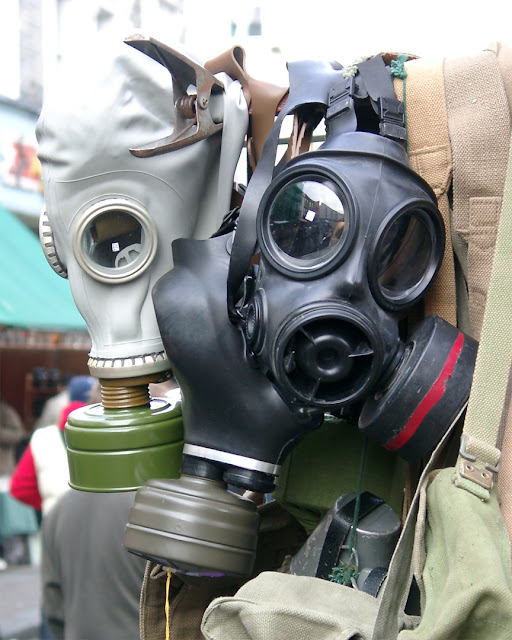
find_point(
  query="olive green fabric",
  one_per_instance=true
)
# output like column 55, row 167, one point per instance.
column 462, row 565
column 466, row 577
column 300, row 607
column 326, row 464
column 285, row 607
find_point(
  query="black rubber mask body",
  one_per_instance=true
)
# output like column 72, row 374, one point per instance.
column 233, row 415
column 350, row 238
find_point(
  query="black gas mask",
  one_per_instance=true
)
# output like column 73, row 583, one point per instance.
column 343, row 241
column 350, row 238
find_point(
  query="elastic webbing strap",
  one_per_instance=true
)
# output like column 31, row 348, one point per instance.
column 310, row 82
column 490, row 382
column 379, row 85
column 479, row 126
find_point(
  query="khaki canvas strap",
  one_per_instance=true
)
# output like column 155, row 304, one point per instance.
column 503, row 54
column 479, row 125
column 479, row 457
column 504, row 57
column 430, row 156
column 505, row 475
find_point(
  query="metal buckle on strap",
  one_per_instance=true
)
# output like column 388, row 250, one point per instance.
column 391, row 113
column 193, row 120
column 467, row 469
column 341, row 98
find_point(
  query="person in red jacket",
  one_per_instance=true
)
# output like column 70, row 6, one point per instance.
column 41, row 475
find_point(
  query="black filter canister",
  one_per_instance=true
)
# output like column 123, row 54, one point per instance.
column 427, row 392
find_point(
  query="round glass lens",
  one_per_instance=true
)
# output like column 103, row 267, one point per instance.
column 403, row 254
column 307, row 220
column 113, row 239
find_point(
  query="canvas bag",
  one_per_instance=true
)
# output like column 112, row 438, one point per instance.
column 461, row 548
column 467, row 582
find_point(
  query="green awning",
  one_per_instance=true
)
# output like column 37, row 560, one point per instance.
column 32, row 296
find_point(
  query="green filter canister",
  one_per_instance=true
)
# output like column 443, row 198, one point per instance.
column 119, row 449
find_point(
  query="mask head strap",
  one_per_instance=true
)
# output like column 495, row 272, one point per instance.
column 366, row 87
column 309, row 85
column 379, row 86
column 343, row 100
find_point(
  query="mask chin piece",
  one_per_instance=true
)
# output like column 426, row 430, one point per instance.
column 194, row 526
column 427, row 392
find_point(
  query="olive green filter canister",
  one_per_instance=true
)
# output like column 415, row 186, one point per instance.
column 120, row 449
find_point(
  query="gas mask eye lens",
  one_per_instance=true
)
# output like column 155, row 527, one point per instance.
column 307, row 220
column 115, row 240
column 406, row 257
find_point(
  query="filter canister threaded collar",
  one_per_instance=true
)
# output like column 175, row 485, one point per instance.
column 123, row 393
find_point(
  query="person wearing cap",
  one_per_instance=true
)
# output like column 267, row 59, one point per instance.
column 41, row 475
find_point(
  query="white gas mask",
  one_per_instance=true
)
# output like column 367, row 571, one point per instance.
column 112, row 214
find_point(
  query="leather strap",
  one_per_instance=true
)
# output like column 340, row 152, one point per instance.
column 262, row 98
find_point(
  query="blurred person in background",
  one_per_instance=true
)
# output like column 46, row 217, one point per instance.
column 13, row 546
column 52, row 409
column 11, row 433
column 42, row 475
column 91, row 584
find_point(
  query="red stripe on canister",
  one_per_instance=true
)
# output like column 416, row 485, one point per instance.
column 433, row 396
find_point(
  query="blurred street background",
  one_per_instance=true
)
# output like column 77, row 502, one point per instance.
column 20, row 603
column 43, row 339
